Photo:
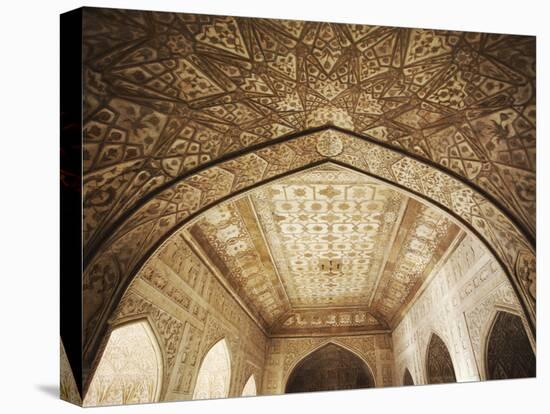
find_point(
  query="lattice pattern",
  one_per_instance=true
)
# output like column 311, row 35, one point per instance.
column 166, row 92
column 163, row 214
column 130, row 369
column 326, row 216
column 509, row 352
column 439, row 364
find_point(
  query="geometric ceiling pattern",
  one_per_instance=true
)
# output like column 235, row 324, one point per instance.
column 327, row 230
column 325, row 248
column 183, row 110
column 168, row 92
column 138, row 239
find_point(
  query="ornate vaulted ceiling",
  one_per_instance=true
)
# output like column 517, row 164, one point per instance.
column 325, row 248
column 181, row 111
column 168, row 92
column 325, row 228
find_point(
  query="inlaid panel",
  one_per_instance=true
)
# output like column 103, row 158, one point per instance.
column 326, row 248
column 328, row 229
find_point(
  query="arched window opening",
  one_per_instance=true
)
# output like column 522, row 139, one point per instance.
column 130, row 369
column 439, row 363
column 509, row 352
column 214, row 373
column 249, row 389
column 329, row 368
column 407, row 378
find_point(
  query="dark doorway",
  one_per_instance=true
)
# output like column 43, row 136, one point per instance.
column 439, row 364
column 329, row 368
column 509, row 352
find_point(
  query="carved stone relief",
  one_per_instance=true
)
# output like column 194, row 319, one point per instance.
column 130, row 370
column 284, row 353
column 480, row 317
column 509, row 352
column 457, row 305
column 214, row 374
column 168, row 92
column 311, row 321
column 329, row 368
column 439, row 365
column 327, row 237
column 183, row 111
column 102, row 276
column 191, row 311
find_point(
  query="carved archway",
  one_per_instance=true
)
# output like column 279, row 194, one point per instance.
column 149, row 225
column 290, row 365
column 509, row 353
column 214, row 376
column 439, row 364
column 407, row 377
column 329, row 367
column 131, row 367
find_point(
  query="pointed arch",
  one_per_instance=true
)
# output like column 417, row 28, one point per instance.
column 508, row 352
column 214, row 374
column 439, row 364
column 131, row 367
column 249, row 389
column 407, row 377
column 329, row 367
column 291, row 368
column 225, row 178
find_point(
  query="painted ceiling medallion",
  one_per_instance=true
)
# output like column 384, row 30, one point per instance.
column 329, row 145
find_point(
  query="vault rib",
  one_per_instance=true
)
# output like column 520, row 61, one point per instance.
column 438, row 262
column 391, row 242
column 201, row 254
column 256, row 225
column 268, row 248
